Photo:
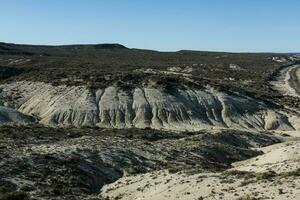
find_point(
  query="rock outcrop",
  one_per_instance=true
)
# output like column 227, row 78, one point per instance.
column 179, row 109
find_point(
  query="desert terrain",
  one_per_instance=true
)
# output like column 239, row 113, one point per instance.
column 110, row 122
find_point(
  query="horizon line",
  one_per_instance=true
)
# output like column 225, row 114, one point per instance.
column 158, row 50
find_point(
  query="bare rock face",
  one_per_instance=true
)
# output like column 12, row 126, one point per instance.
column 111, row 107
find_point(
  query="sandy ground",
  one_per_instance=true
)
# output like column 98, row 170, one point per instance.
column 282, row 158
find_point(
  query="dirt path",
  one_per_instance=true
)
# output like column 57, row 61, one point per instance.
column 288, row 81
column 294, row 80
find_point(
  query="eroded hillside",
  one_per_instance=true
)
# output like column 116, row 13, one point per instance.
column 177, row 109
column 112, row 86
column 108, row 122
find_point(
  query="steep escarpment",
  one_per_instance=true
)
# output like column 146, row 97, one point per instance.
column 112, row 107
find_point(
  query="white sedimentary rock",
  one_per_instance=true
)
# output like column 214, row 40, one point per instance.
column 111, row 107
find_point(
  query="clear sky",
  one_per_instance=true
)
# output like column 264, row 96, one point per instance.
column 167, row 25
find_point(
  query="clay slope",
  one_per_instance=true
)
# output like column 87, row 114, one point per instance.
column 178, row 109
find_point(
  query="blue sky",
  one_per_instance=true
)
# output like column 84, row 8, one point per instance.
column 167, row 25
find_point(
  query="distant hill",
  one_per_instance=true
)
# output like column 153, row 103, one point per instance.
column 100, row 65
